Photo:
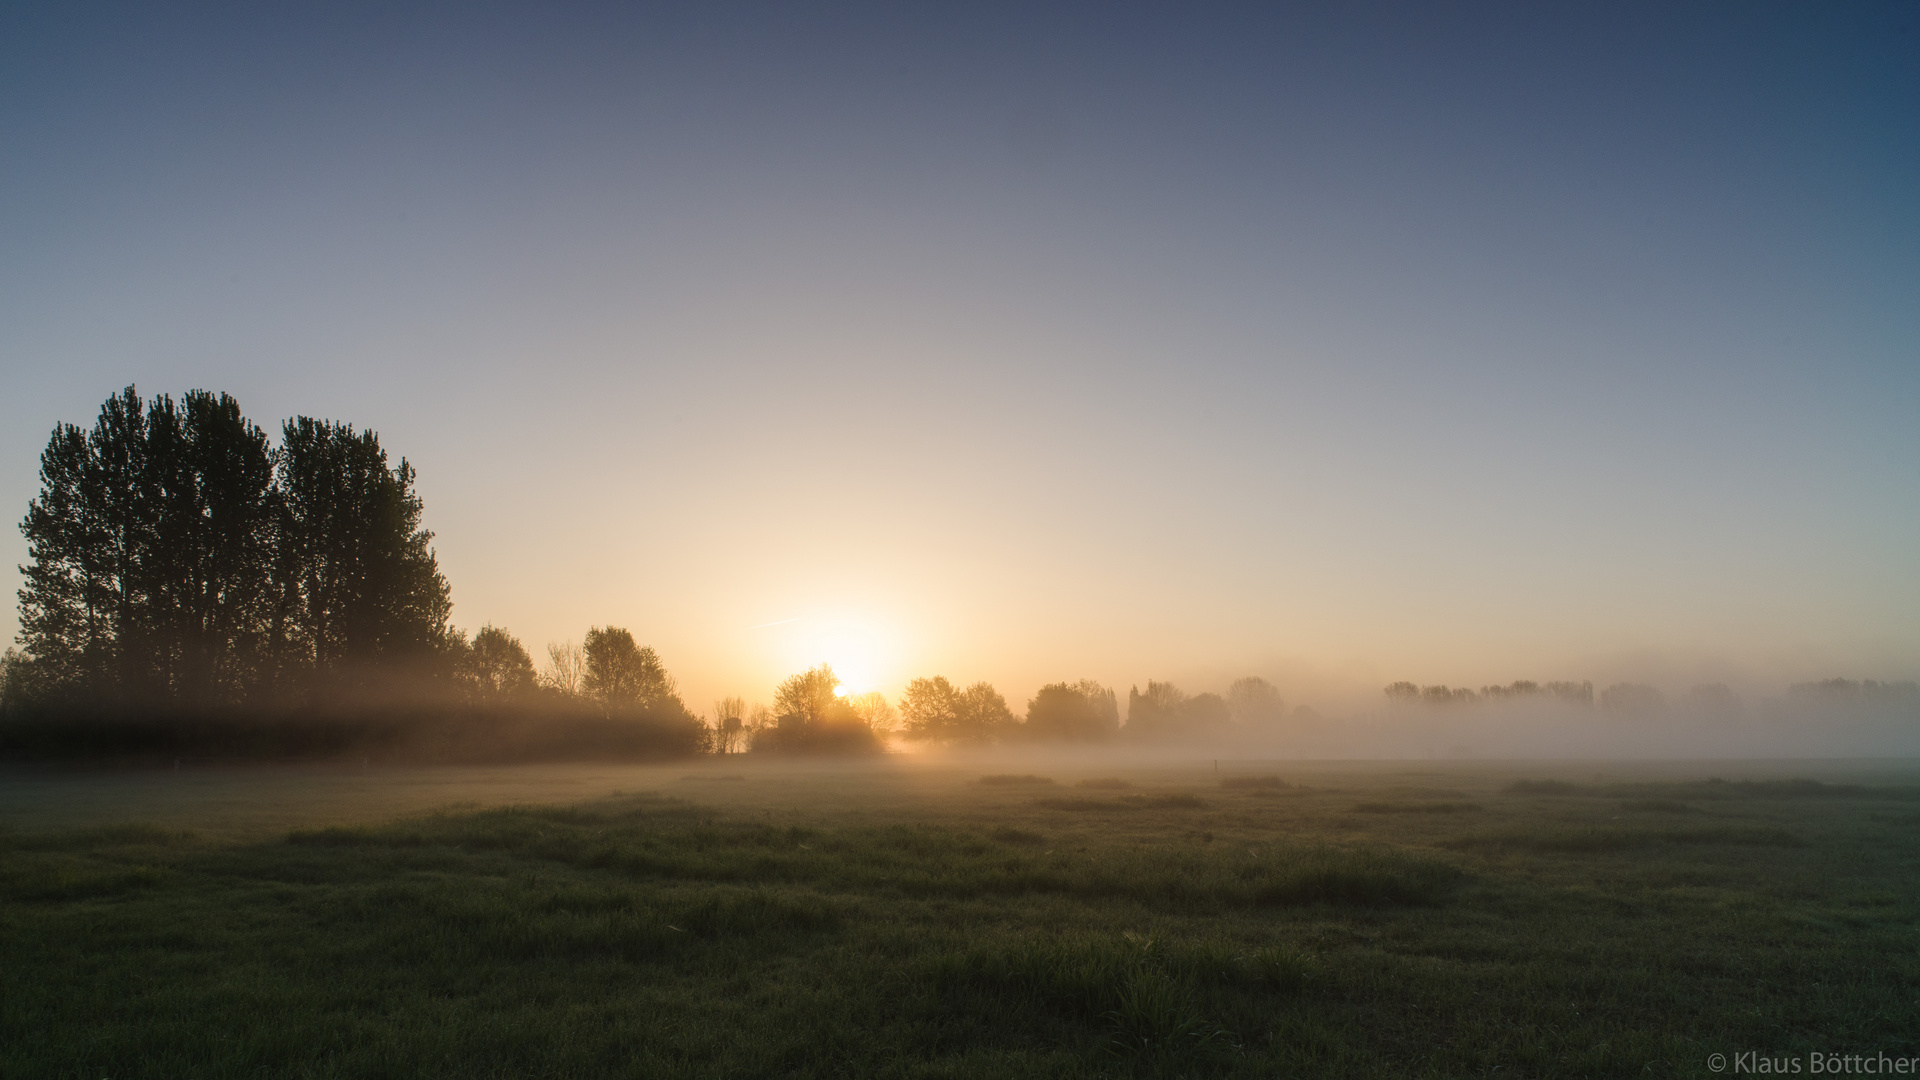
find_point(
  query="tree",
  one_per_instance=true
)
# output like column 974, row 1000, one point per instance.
column 983, row 715
column 1206, row 712
column 179, row 559
column 729, row 724
column 873, row 709
column 1518, row 689
column 15, row 692
column 83, row 535
column 622, row 676
column 933, row 709
column 1156, row 712
column 1166, row 712
column 360, row 589
column 1573, row 693
column 1443, row 695
column 499, row 667
column 930, row 709
column 211, row 565
column 566, row 668
column 1633, row 700
column 810, row 718
column 150, row 545
column 807, row 698
column 1081, row 711
column 1255, row 702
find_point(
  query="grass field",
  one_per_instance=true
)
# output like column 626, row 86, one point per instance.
column 909, row 919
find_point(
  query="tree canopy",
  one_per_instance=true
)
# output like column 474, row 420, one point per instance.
column 178, row 559
column 935, row 710
column 810, row 717
column 624, row 677
column 1083, row 711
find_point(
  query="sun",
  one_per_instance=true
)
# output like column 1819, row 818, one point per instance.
column 856, row 651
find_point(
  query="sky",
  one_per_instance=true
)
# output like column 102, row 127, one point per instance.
column 1338, row 344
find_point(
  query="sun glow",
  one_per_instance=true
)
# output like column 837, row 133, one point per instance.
column 857, row 652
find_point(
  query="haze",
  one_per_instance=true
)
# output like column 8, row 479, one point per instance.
column 1337, row 346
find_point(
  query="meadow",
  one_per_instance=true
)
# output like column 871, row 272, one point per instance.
column 923, row 919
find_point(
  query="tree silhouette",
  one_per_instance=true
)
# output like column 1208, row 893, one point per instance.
column 983, row 714
column 1156, row 712
column 84, row 532
column 1255, row 702
column 210, row 566
column 1084, row 711
column 499, row 668
column 810, row 718
column 806, row 699
column 1403, row 693
column 872, row 708
column 150, row 545
column 621, row 676
column 935, row 710
column 729, row 724
column 1632, row 700
column 930, row 709
column 566, row 668
column 1164, row 711
column 360, row 585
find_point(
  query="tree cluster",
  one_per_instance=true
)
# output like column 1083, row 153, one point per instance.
column 810, row 716
column 1576, row 693
column 1848, row 691
column 179, row 559
column 1165, row 711
column 809, row 713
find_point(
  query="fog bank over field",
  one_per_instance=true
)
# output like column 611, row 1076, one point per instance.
column 1832, row 719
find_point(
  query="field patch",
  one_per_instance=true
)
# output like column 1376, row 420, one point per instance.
column 1412, row 807
column 948, row 930
column 1598, row 838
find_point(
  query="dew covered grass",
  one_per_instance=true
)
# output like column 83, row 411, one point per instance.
column 876, row 923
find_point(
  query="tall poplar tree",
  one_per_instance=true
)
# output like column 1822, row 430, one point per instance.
column 177, row 559
column 360, row 589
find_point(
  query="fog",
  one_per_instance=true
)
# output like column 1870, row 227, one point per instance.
column 1625, row 721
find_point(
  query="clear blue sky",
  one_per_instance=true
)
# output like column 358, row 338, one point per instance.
column 1340, row 344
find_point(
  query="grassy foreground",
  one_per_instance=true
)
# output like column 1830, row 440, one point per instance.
column 1360, row 924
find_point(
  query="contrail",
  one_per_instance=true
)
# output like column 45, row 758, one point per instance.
column 776, row 622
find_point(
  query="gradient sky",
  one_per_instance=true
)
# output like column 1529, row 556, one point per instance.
column 1338, row 344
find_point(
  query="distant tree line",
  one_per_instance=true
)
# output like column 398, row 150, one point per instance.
column 1628, row 699
column 1848, row 690
column 809, row 714
column 1580, row 693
